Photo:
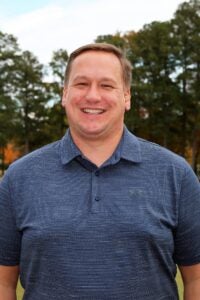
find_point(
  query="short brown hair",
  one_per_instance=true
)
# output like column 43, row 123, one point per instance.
column 125, row 63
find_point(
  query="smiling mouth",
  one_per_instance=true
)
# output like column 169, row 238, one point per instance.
column 92, row 111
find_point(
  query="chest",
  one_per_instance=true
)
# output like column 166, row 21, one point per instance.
column 112, row 203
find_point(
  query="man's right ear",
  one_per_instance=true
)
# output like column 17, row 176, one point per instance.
column 64, row 97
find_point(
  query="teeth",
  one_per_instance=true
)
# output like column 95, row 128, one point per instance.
column 93, row 111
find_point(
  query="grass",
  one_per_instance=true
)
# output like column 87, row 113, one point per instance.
column 178, row 279
column 20, row 291
column 180, row 285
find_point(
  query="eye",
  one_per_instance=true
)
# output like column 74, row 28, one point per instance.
column 107, row 86
column 81, row 84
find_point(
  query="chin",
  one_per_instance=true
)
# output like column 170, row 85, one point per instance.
column 92, row 132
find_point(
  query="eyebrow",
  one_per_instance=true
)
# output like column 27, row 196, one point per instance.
column 108, row 79
column 82, row 77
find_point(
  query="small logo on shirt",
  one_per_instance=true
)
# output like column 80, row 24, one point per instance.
column 136, row 192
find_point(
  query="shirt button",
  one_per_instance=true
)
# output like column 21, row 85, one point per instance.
column 97, row 198
column 97, row 173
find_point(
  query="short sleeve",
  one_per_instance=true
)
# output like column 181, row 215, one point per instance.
column 187, row 236
column 10, row 237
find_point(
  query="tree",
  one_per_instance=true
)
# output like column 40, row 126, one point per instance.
column 57, row 118
column 185, row 25
column 8, row 51
column 153, row 86
column 117, row 40
column 31, row 97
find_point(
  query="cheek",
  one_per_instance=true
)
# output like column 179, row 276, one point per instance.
column 113, row 100
column 121, row 103
column 72, row 101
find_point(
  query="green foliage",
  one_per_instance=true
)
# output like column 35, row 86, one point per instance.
column 31, row 97
column 153, row 87
column 118, row 40
column 185, row 30
column 8, row 49
column 58, row 64
column 56, row 114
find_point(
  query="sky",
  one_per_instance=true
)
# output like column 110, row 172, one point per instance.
column 44, row 26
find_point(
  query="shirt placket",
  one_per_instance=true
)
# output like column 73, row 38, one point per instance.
column 95, row 192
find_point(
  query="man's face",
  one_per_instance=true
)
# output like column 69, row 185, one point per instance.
column 95, row 98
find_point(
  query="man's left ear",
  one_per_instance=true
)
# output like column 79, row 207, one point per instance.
column 127, row 96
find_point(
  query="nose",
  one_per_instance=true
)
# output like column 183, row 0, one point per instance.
column 93, row 93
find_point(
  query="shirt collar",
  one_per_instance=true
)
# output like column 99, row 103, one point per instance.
column 68, row 149
column 128, row 148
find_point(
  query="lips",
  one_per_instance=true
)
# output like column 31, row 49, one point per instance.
column 93, row 111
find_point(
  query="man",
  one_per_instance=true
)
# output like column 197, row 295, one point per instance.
column 100, row 214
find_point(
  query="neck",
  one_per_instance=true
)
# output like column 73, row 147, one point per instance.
column 97, row 150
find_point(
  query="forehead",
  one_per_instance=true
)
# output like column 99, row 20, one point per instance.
column 96, row 64
column 90, row 57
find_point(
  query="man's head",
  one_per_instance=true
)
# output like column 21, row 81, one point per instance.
column 107, row 48
column 97, row 91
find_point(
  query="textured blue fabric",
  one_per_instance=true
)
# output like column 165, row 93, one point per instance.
column 114, row 232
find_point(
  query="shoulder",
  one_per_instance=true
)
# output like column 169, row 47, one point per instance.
column 160, row 156
column 36, row 160
column 169, row 168
column 155, row 159
column 151, row 155
column 154, row 162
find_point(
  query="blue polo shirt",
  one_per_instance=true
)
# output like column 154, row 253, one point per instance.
column 114, row 232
